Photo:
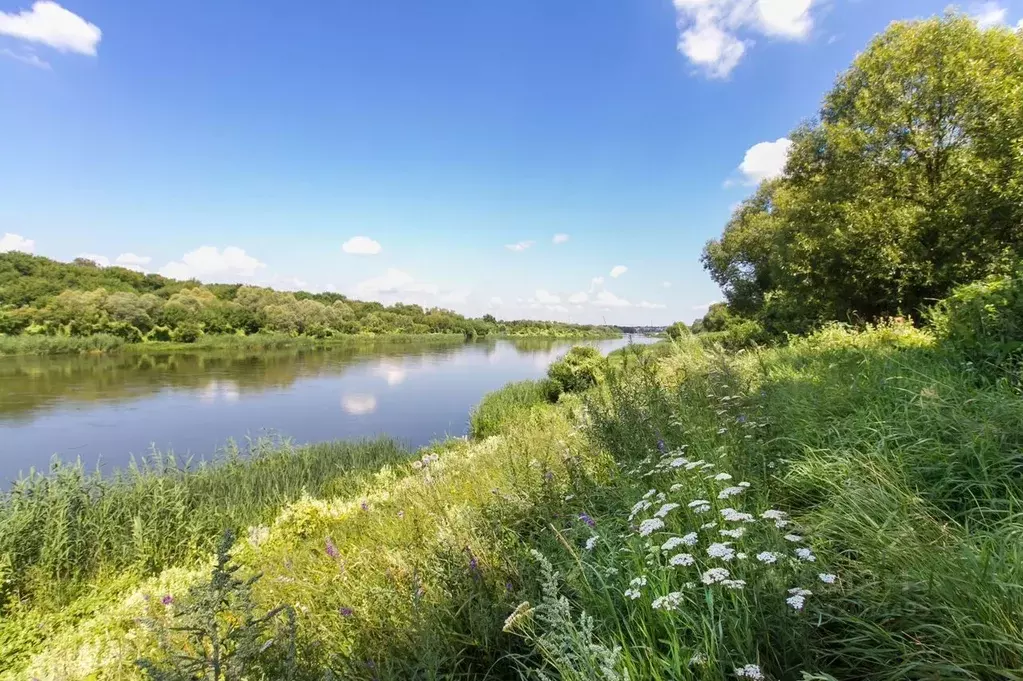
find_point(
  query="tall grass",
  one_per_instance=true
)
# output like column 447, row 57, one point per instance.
column 58, row 345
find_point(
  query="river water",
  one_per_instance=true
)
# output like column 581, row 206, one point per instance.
column 103, row 409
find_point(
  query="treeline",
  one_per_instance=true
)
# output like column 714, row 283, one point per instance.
column 39, row 296
column 907, row 184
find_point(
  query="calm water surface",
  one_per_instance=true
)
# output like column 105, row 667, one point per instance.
column 103, row 409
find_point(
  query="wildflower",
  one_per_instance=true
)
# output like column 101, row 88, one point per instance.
column 587, row 519
column 741, row 418
column 772, row 514
column 730, row 492
column 699, row 506
column 638, row 581
column 734, row 584
column 648, row 527
column 768, row 557
column 332, row 549
column 799, row 591
column 665, row 510
column 610, row 571
column 670, row 602
column 744, row 484
column 679, row 462
column 721, row 550
column 591, row 542
column 731, row 515
column 640, row 506
column 797, row 602
column 681, row 559
column 417, row 464
column 521, row 611
column 346, row 612
column 632, row 594
column 677, row 487
column 827, row 578
column 742, row 556
column 694, row 464
column 750, row 671
column 795, row 538
column 708, row 526
column 167, row 600
column 364, row 505
column 401, row 514
column 697, row 660
column 660, row 446
column 722, row 431
column 715, row 575
column 660, row 498
column 806, row 555
column 650, row 494
column 722, row 477
column 474, row 567
column 569, row 497
column 734, row 534
column 672, row 542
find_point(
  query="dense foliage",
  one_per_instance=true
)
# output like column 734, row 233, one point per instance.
column 908, row 184
column 43, row 297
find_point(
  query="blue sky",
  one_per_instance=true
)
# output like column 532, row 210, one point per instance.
column 241, row 141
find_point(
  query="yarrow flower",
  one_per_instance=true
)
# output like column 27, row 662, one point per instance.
column 800, row 591
column 708, row 526
column 650, row 494
column 648, row 527
column 679, row 462
column 731, row 515
column 697, row 659
column 665, row 510
column 805, row 555
column 734, row 534
column 730, row 492
column 734, row 584
column 694, row 464
column 721, row 477
column 699, row 505
column 670, row 602
column 689, row 540
column 632, row 594
column 827, row 578
column 750, row 671
column 715, row 575
column 780, row 518
column 744, row 484
column 590, row 543
column 797, row 602
column 681, row 559
column 721, row 550
column 638, row 581
column 768, row 557
column 640, row 506
column 795, row 538
column 677, row 487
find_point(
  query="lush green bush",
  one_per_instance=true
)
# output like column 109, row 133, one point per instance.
column 677, row 330
column 581, row 368
column 498, row 408
column 983, row 320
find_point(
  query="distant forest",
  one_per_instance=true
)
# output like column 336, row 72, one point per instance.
column 40, row 296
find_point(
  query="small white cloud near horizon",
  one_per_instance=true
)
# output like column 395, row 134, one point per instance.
column 209, row 263
column 101, row 260
column 646, row 305
column 560, row 239
column 607, row 299
column 27, row 58
column 520, row 246
column 579, row 298
column 765, row 161
column 705, row 306
column 988, row 14
column 132, row 260
column 545, row 298
column 50, row 24
column 16, row 242
column 618, row 270
column 361, row 245
column 711, row 32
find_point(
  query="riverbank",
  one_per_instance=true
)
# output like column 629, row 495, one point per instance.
column 843, row 507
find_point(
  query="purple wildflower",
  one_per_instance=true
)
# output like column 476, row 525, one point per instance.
column 661, row 447
column 741, row 418
column 365, row 505
column 347, row 612
column 549, row 475
column 167, row 600
column 509, row 586
column 332, row 549
column 587, row 519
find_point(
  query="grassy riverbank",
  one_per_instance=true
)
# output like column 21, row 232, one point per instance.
column 879, row 472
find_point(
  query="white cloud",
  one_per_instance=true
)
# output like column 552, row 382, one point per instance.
column 988, row 14
column 496, row 301
column 618, row 270
column 16, row 242
column 711, row 32
column 358, row 405
column 130, row 259
column 596, row 283
column 209, row 263
column 520, row 246
column 665, row 284
column 27, row 58
column 394, row 283
column 361, row 245
column 577, row 298
column 607, row 299
column 646, row 305
column 545, row 298
column 101, row 260
column 50, row 24
column 765, row 161
column 560, row 239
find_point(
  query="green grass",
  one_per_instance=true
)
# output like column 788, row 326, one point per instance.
column 59, row 345
column 897, row 464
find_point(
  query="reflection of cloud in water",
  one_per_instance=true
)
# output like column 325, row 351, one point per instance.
column 358, row 405
column 391, row 372
column 226, row 391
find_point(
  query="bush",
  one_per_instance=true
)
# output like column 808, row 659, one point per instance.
column 498, row 408
column 552, row 389
column 677, row 331
column 186, row 332
column 983, row 320
column 580, row 369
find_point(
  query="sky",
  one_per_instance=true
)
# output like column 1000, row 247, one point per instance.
column 542, row 159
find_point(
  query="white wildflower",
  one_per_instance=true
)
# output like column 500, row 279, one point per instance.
column 806, row 555
column 670, row 602
column 827, row 578
column 734, row 534
column 734, row 584
column 797, row 601
column 744, row 484
column 677, row 487
column 690, row 539
column 648, row 527
column 609, row 571
column 632, row 593
column 681, row 560
column 715, row 575
column 650, row 494
column 417, row 464
column 694, row 464
column 730, row 492
column 570, row 497
column 679, row 462
column 665, row 510
column 640, row 506
column 795, row 538
column 750, row 671
column 722, row 431
column 699, row 506
column 697, row 660
column 660, row 498
column 591, row 542
column 721, row 550
column 721, row 477
column 799, row 591
column 731, row 515
column 708, row 526
column 741, row 555
column 768, row 557
column 638, row 581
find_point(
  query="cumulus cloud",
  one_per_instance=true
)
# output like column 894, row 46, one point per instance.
column 101, row 260
column 545, row 298
column 988, row 14
column 209, row 263
column 394, row 283
column 606, row 299
column 618, row 270
column 132, row 260
column 560, row 239
column 27, row 58
column 50, row 24
column 578, row 298
column 16, row 242
column 765, row 161
column 715, row 34
column 520, row 246
column 361, row 245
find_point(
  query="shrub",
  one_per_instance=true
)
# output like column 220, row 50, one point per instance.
column 187, row 332
column 983, row 320
column 580, row 369
column 498, row 408
column 552, row 389
column 677, row 331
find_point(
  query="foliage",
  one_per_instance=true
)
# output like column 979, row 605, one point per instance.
column 43, row 297
column 677, row 330
column 225, row 639
column 582, row 367
column 983, row 320
column 496, row 409
column 907, row 185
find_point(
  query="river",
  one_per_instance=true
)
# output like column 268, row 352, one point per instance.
column 103, row 409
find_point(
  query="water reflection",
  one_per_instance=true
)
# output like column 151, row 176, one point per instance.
column 104, row 408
